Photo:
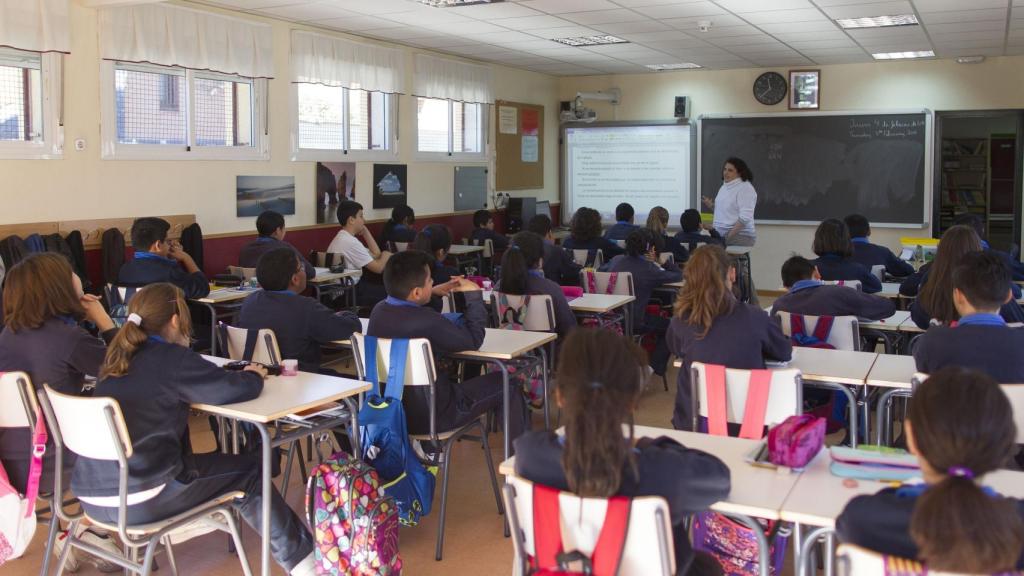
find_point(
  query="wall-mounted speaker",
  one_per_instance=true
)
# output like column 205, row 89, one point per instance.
column 682, row 108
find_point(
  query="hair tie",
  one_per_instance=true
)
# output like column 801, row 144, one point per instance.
column 135, row 319
column 595, row 385
column 961, row 472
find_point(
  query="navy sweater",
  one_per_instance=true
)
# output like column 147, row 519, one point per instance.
column 741, row 338
column 673, row 245
column 689, row 480
column 559, row 267
column 646, row 277
column 870, row 255
column 607, row 247
column 619, row 231
column 155, row 394
column 836, row 267
column 249, row 255
column 301, row 324
column 831, row 300
column 398, row 233
column 143, row 271
column 691, row 240
column 499, row 241
column 995, row 350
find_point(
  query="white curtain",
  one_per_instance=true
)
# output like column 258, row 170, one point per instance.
column 452, row 80
column 319, row 59
column 36, row 25
column 175, row 36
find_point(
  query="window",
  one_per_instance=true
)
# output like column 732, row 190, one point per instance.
column 333, row 118
column 163, row 112
column 449, row 127
column 27, row 116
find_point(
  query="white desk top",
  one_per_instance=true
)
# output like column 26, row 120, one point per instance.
column 674, row 284
column 324, row 275
column 755, row 491
column 892, row 371
column 461, row 249
column 824, row 365
column 599, row 303
column 738, row 250
column 889, row 290
column 893, row 323
column 223, row 295
column 507, row 344
column 347, row 343
column 284, row 395
column 910, row 326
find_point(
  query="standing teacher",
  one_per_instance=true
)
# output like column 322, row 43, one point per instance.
column 734, row 204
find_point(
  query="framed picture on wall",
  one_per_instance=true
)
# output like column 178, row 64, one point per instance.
column 335, row 181
column 389, row 185
column 804, row 89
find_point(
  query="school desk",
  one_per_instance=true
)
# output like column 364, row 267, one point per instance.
column 894, row 373
column 281, row 396
column 327, row 282
column 592, row 303
column 889, row 290
column 457, row 251
column 225, row 298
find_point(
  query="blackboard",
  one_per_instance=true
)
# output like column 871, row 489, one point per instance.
column 470, row 188
column 811, row 167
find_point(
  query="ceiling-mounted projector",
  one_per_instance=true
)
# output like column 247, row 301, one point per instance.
column 578, row 112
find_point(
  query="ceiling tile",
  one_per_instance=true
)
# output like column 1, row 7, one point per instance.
column 375, row 7
column 930, row 18
column 425, row 15
column 253, row 4
column 994, row 27
column 562, row 6
column 717, row 21
column 947, row 5
column 604, row 17
column 681, row 10
column 783, row 16
column 564, row 32
column 399, row 33
column 437, row 42
column 464, row 29
column 743, row 40
column 630, row 27
column 814, row 36
column 759, row 5
column 806, row 26
column 869, row 9
column 644, row 37
column 492, row 11
column 531, row 23
column 308, row 11
column 357, row 23
column 727, row 31
column 816, row 44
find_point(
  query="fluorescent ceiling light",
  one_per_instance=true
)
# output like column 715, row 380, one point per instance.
column 878, row 21
column 591, row 40
column 456, row 3
column 677, row 66
column 903, row 55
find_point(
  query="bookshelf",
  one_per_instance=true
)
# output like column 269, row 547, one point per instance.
column 965, row 179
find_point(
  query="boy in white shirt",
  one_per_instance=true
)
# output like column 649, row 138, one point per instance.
column 369, row 258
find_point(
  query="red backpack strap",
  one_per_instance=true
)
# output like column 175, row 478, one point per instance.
column 612, row 540
column 547, row 527
column 796, row 327
column 756, row 405
column 823, row 328
column 714, row 383
column 591, row 281
column 613, row 279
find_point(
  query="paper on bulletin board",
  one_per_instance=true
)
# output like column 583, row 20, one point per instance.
column 507, row 119
column 531, row 120
column 530, row 148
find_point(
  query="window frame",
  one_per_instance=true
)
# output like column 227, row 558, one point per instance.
column 451, row 155
column 51, row 145
column 346, row 154
column 114, row 150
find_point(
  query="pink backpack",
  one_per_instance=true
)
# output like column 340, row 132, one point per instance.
column 608, row 320
column 18, row 512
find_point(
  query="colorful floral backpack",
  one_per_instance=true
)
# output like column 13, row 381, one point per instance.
column 354, row 522
column 525, row 371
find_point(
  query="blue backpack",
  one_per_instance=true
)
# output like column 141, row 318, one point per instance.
column 385, row 438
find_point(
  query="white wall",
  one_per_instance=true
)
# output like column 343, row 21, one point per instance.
column 81, row 185
column 933, row 84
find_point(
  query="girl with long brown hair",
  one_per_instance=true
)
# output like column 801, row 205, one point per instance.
column 657, row 222
column 710, row 325
column 600, row 378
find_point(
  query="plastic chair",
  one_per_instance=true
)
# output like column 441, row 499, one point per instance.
column 95, row 428
column 648, row 549
column 1015, row 392
column 623, row 284
column 232, row 342
column 420, row 371
column 856, row 561
column 245, row 274
column 879, row 272
column 845, row 334
column 665, row 257
column 401, row 246
column 487, row 243
column 785, row 395
column 540, row 314
column 326, row 259
column 581, row 256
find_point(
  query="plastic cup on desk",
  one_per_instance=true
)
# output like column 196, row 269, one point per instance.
column 289, row 368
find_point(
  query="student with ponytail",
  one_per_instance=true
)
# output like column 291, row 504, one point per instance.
column 711, row 326
column 435, row 240
column 600, row 379
column 960, row 425
column 155, row 377
column 399, row 228
column 522, row 272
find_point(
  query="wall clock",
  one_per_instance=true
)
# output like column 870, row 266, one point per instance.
column 770, row 88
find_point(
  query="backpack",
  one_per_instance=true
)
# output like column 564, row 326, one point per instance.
column 607, row 320
column 550, row 557
column 510, row 318
column 354, row 522
column 76, row 246
column 526, row 372
column 17, row 512
column 818, row 339
column 13, row 250
column 34, row 243
column 112, row 248
column 385, row 438
column 117, row 305
column 192, row 243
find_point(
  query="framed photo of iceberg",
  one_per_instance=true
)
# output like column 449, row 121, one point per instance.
column 390, row 186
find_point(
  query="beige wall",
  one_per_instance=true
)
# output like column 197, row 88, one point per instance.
column 81, row 185
column 936, row 85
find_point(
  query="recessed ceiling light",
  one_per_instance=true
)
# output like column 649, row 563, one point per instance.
column 903, row 55
column 878, row 21
column 456, row 3
column 970, row 59
column 591, row 40
column 677, row 66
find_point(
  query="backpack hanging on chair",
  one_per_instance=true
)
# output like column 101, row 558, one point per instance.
column 817, row 339
column 607, row 320
column 17, row 512
column 821, row 403
column 526, row 371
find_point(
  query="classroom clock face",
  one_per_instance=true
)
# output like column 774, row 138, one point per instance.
column 770, row 88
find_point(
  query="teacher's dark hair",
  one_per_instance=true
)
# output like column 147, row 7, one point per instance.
column 741, row 168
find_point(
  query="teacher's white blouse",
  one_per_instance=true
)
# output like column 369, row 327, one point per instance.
column 735, row 203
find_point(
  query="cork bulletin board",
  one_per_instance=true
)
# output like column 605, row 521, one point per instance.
column 520, row 146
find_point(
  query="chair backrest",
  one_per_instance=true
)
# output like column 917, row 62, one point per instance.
column 84, row 428
column 325, row 259
column 17, row 400
column 487, row 243
column 620, row 243
column 623, row 283
column 419, row 364
column 401, row 246
column 845, row 334
column 665, row 257
column 119, row 295
column 879, row 272
column 785, row 396
column 648, row 549
column 266, row 350
column 1015, row 392
column 540, row 314
column 242, row 272
column 580, row 256
column 848, row 283
column 448, row 303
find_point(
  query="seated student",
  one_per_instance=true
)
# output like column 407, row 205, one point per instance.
column 960, row 426
column 483, row 229
column 981, row 339
column 522, row 273
column 403, row 315
column 436, row 241
column 835, row 256
column 399, row 228
column 808, row 295
column 585, row 234
column 598, row 389
column 559, row 267
column 160, row 260
column 710, row 325
column 641, row 260
column 693, row 231
column 623, row 223
column 871, row 255
column 301, row 324
column 935, row 300
column 270, row 226
column 155, row 377
column 978, row 224
column 657, row 222
column 369, row 258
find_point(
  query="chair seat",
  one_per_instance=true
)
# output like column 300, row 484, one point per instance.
column 447, row 434
column 153, row 527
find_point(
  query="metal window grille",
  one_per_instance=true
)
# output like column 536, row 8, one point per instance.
column 140, row 117
column 321, row 117
column 358, row 120
column 223, row 112
column 21, row 103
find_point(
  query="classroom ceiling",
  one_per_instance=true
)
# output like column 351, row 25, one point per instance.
column 743, row 33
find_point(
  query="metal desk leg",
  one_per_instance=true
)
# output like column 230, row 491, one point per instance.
column 854, row 415
column 506, row 400
column 544, row 375
column 805, row 551
column 883, row 413
column 267, row 487
column 480, row 263
column 213, row 327
column 354, row 422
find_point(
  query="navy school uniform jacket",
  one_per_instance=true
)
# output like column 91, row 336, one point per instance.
column 609, row 248
column 399, row 233
column 559, row 267
column 911, row 285
column 499, row 241
column 689, row 480
column 249, row 256
column 646, row 277
column 870, row 255
column 1016, row 267
column 836, row 267
column 155, row 394
column 881, row 521
column 979, row 341
column 813, row 298
column 619, row 231
column 537, row 284
column 741, row 338
column 440, row 274
column 392, row 318
column 1011, row 311
column 148, row 268
column 301, row 324
column 673, row 245
column 691, row 240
